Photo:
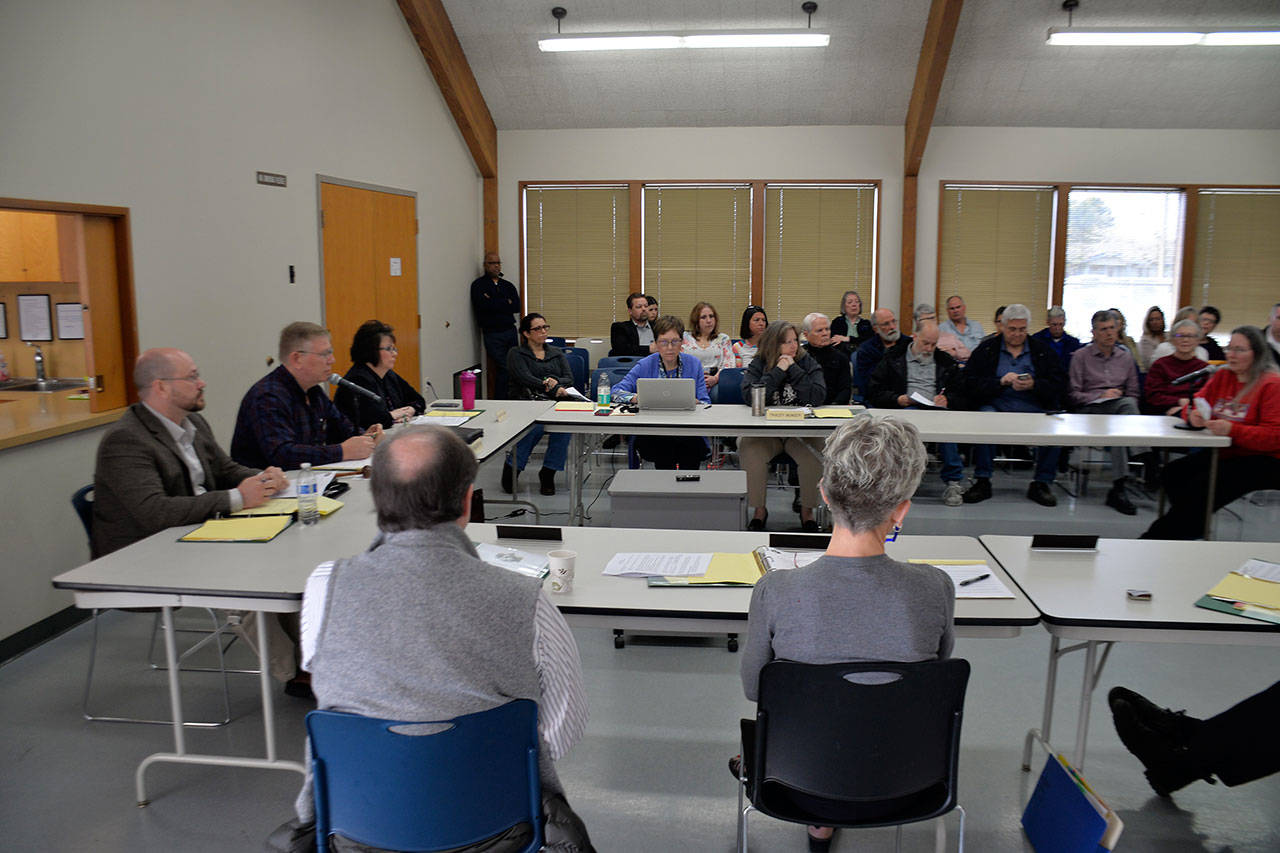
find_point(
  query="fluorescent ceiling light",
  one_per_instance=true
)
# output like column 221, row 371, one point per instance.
column 1162, row 36
column 668, row 41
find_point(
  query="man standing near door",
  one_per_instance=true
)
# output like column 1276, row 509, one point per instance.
column 496, row 303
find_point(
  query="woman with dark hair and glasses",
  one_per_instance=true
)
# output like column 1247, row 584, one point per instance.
column 373, row 355
column 754, row 322
column 539, row 371
column 1241, row 401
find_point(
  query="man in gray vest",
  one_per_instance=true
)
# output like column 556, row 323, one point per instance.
column 419, row 628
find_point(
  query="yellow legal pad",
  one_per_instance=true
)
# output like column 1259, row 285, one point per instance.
column 741, row 569
column 1235, row 587
column 833, row 412
column 575, row 406
column 452, row 413
column 288, row 506
column 262, row 528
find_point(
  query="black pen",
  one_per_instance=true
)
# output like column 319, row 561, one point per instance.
column 975, row 580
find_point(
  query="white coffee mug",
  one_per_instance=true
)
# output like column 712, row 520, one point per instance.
column 562, row 570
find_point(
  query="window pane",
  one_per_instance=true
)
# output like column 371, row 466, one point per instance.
column 1237, row 266
column 995, row 248
column 577, row 256
column 697, row 247
column 1124, row 249
column 818, row 243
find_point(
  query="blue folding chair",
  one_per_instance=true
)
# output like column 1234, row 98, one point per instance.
column 582, row 351
column 728, row 390
column 558, row 342
column 618, row 360
column 578, row 365
column 381, row 785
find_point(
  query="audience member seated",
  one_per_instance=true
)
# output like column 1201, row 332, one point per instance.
column 1152, row 336
column 417, row 627
column 958, row 323
column 1209, row 319
column 854, row 603
column 633, row 336
column 653, row 308
column 872, row 350
column 999, row 329
column 947, row 341
column 1054, row 334
column 849, row 326
column 1244, row 403
column 667, row 451
column 1011, row 372
column 373, row 359
column 1186, row 312
column 926, row 372
column 790, row 378
column 1273, row 334
column 705, row 342
column 159, row 466
column 1103, row 380
column 1178, row 749
column 539, row 371
column 833, row 358
column 286, row 418
column 1159, row 395
column 1122, row 337
column 754, row 322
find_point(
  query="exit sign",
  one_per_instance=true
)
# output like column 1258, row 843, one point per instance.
column 271, row 179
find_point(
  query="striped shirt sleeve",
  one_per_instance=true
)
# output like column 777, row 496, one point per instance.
column 314, row 597
column 562, row 713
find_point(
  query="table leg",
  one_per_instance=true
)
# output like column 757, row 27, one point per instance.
column 1086, row 697
column 264, row 683
column 175, row 688
column 1046, row 720
column 1164, row 460
column 577, row 515
column 1210, row 494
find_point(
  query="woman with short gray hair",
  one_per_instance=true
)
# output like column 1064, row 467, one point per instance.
column 855, row 603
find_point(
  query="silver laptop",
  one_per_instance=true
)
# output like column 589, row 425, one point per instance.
column 665, row 394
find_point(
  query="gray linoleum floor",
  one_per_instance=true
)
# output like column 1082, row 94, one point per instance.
column 650, row 774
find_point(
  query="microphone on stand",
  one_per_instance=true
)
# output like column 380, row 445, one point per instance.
column 335, row 379
column 1196, row 374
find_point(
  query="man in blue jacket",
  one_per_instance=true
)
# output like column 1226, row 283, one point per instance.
column 1055, row 335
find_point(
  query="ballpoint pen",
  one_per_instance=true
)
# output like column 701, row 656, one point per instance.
column 975, row 580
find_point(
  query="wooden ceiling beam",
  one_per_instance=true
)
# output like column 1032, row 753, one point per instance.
column 435, row 35
column 939, row 33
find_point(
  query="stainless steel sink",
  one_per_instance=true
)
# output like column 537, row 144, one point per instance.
column 41, row 385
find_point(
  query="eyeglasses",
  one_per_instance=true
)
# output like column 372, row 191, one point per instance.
column 543, row 328
column 391, row 348
column 667, row 343
column 323, row 354
column 1186, row 337
column 193, row 376
column 1239, row 350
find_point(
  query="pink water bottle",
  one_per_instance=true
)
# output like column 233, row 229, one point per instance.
column 467, row 381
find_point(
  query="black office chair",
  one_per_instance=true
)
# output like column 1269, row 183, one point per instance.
column 82, row 501
column 854, row 744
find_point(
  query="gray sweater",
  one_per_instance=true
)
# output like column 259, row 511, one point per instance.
column 848, row 609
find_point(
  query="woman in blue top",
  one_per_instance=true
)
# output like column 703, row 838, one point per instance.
column 667, row 363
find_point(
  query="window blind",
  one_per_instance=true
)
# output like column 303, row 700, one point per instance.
column 577, row 256
column 1237, row 260
column 819, row 242
column 995, row 248
column 697, row 247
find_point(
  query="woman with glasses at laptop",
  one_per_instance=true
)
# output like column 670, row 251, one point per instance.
column 790, row 378
column 539, row 371
column 705, row 342
column 668, row 362
column 754, row 322
column 373, row 355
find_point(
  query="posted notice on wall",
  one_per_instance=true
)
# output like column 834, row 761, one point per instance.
column 70, row 317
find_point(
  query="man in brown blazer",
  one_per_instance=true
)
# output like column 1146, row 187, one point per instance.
column 159, row 465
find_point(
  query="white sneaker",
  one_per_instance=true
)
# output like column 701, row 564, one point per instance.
column 953, row 494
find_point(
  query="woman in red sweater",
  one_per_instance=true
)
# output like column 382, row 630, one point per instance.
column 1244, row 403
column 1159, row 395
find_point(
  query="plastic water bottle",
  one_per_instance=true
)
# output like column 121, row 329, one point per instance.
column 308, row 504
column 602, row 390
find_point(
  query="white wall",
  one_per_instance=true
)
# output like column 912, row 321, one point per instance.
column 953, row 153
column 722, row 153
column 168, row 108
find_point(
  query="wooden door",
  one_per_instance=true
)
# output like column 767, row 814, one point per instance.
column 107, row 317
column 362, row 231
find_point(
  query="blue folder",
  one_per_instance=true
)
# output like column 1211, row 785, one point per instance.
column 1059, row 818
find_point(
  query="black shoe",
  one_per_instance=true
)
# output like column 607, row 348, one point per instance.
column 979, row 491
column 1119, row 501
column 810, row 526
column 758, row 523
column 1175, row 726
column 1041, row 494
column 508, row 476
column 795, row 503
column 299, row 688
column 1169, row 764
column 547, row 480
column 735, row 767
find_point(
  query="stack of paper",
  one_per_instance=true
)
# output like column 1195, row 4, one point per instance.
column 972, row 578
column 1253, row 590
column 255, row 529
column 288, row 506
column 649, row 564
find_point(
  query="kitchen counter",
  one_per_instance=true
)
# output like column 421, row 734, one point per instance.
column 27, row 416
